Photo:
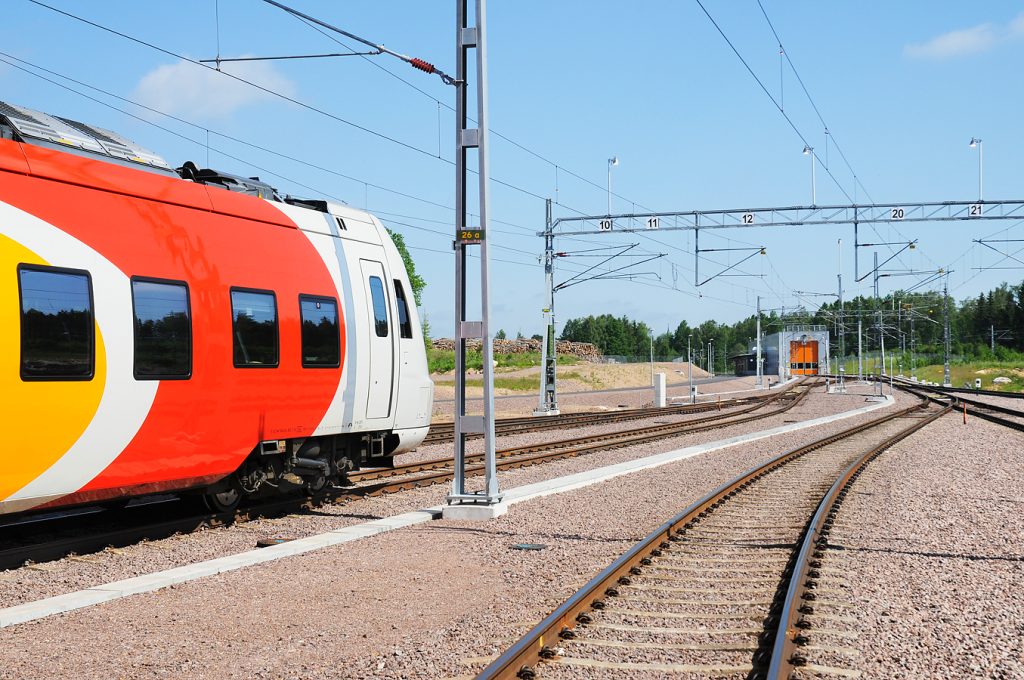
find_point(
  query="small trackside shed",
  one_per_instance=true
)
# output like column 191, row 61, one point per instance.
column 797, row 350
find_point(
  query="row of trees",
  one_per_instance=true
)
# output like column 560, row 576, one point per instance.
column 909, row 321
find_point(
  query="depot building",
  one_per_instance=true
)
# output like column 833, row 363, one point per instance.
column 797, row 350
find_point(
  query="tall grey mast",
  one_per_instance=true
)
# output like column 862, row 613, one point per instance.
column 548, row 400
column 468, row 236
column 946, row 382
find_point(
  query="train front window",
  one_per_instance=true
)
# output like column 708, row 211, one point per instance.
column 254, row 327
column 321, row 345
column 57, row 325
column 404, row 324
column 163, row 331
column 380, row 307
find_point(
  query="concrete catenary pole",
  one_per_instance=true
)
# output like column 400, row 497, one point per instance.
column 547, row 402
column 945, row 350
column 760, row 382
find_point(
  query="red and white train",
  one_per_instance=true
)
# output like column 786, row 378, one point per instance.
column 168, row 330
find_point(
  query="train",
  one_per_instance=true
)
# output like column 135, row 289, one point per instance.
column 185, row 330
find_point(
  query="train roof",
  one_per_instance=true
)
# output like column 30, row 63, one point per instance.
column 39, row 129
column 64, row 133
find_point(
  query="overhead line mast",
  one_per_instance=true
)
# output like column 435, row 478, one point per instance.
column 463, row 503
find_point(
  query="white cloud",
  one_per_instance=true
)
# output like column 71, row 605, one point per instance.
column 967, row 41
column 186, row 88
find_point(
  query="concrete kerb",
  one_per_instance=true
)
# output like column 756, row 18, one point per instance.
column 68, row 602
column 710, row 396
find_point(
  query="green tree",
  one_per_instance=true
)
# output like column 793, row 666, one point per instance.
column 500, row 335
column 415, row 280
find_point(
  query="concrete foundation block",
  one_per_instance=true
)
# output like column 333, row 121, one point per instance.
column 473, row 512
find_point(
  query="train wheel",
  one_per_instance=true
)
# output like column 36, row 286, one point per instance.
column 222, row 501
column 315, row 486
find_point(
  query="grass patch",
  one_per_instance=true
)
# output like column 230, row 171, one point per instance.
column 442, row 361
column 515, row 384
column 591, row 380
column 961, row 374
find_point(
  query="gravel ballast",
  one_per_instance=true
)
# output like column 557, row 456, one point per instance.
column 420, row 602
column 70, row 574
column 930, row 543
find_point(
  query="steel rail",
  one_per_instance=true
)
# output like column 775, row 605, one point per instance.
column 790, row 637
column 442, row 432
column 534, row 454
column 978, row 409
column 540, row 642
column 965, row 390
column 662, row 430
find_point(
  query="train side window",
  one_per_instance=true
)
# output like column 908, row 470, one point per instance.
column 404, row 323
column 254, row 327
column 380, row 307
column 321, row 344
column 58, row 327
column 163, row 329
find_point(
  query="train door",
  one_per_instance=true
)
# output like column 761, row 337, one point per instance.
column 381, row 340
column 796, row 357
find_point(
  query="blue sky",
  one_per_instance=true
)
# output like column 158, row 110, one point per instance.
column 902, row 87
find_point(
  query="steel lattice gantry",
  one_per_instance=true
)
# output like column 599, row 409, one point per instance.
column 741, row 218
column 794, row 216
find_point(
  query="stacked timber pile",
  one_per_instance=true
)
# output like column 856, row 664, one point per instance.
column 583, row 350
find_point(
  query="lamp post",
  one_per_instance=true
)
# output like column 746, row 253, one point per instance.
column 614, row 160
column 975, row 142
column 809, row 151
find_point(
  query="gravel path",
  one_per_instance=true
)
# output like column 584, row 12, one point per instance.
column 931, row 543
column 421, row 602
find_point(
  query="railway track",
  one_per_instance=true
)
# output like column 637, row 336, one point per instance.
column 732, row 586
column 94, row 532
column 994, row 413
column 439, row 469
column 443, row 432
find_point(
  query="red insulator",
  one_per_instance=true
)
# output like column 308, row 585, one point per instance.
column 422, row 65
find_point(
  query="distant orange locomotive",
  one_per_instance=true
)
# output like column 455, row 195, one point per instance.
column 164, row 330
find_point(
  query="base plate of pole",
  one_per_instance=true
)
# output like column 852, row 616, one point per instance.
column 545, row 412
column 474, row 512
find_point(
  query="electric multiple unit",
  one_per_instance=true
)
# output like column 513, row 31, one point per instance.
column 166, row 330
